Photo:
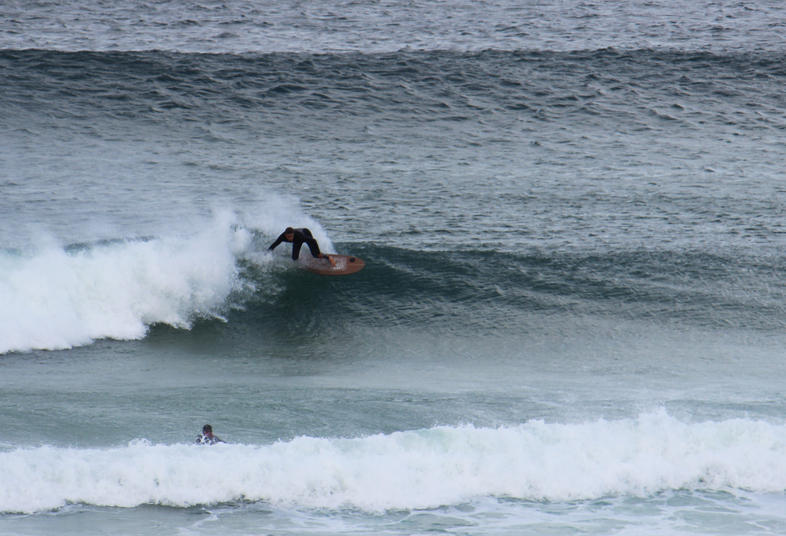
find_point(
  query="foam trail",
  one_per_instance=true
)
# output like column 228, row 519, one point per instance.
column 58, row 297
column 410, row 470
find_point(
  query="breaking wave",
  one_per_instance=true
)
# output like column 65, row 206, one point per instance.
column 412, row 469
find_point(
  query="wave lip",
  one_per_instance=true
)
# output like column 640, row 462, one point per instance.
column 409, row 470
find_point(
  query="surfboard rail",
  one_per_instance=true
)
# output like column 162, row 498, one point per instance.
column 340, row 265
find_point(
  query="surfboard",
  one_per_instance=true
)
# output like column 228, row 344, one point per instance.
column 343, row 264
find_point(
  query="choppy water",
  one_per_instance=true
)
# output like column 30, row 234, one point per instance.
column 573, row 313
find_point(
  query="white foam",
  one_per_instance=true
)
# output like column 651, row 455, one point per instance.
column 55, row 298
column 408, row 470
column 58, row 299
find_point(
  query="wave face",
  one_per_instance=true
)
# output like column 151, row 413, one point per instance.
column 535, row 461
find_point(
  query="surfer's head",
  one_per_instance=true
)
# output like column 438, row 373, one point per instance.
column 207, row 429
column 289, row 233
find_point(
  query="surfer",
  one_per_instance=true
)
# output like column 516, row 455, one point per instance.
column 297, row 237
column 207, row 437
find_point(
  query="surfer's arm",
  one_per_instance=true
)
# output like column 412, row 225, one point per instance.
column 277, row 242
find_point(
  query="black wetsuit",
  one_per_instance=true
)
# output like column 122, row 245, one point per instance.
column 301, row 236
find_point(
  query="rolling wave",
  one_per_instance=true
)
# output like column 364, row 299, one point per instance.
column 59, row 297
column 447, row 465
column 407, row 84
column 349, row 26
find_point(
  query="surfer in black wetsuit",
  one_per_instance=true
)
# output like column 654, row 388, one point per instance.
column 297, row 237
column 207, row 437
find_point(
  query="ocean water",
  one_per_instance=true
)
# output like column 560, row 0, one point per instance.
column 573, row 314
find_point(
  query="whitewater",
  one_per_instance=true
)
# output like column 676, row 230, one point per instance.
column 117, row 289
column 419, row 469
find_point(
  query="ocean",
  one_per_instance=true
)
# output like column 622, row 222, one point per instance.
column 572, row 318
